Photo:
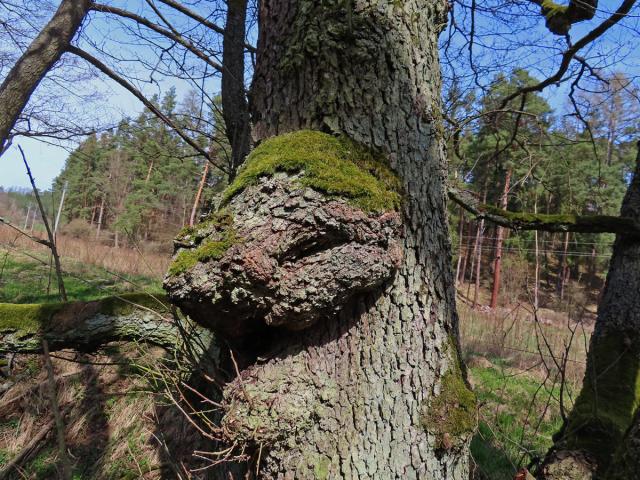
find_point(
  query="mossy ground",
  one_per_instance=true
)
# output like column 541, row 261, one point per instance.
column 336, row 166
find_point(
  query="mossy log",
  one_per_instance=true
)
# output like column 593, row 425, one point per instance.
column 86, row 325
column 544, row 222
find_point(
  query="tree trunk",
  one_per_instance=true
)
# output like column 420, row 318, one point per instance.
column 562, row 271
column 460, row 246
column 600, row 438
column 467, row 254
column 504, row 200
column 369, row 70
column 476, row 287
column 536, row 274
column 100, row 215
column 235, row 109
column 33, row 65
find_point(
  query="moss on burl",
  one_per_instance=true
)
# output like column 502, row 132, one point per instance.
column 451, row 415
column 336, row 166
column 213, row 238
column 551, row 9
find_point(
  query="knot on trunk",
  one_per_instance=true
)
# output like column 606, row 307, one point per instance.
column 303, row 229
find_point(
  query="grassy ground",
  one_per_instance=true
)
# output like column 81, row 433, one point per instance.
column 519, row 412
column 27, row 278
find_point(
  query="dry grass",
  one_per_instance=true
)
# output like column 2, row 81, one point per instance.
column 113, row 419
column 526, row 341
column 124, row 260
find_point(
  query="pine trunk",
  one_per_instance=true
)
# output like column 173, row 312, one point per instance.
column 497, row 266
column 369, row 70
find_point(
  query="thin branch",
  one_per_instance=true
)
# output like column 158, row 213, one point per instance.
column 147, row 103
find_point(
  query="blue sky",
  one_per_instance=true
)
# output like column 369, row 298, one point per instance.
column 47, row 160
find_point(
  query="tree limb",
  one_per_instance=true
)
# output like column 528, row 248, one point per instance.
column 176, row 37
column 86, row 326
column 147, row 103
column 200, row 19
column 542, row 222
column 45, row 50
column 570, row 53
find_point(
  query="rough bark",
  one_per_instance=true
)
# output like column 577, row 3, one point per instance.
column 600, row 438
column 235, row 109
column 374, row 390
column 45, row 50
column 294, row 256
column 85, row 326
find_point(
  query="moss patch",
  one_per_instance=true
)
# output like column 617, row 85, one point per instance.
column 26, row 318
column 212, row 238
column 335, row 166
column 129, row 302
column 452, row 415
column 551, row 9
column 609, row 399
column 32, row 318
column 590, row 223
column 217, row 221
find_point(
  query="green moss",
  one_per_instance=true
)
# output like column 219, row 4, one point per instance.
column 336, row 166
column 129, row 302
column 452, row 415
column 321, row 467
column 208, row 250
column 31, row 318
column 26, row 318
column 551, row 9
column 220, row 220
column 212, row 237
column 609, row 399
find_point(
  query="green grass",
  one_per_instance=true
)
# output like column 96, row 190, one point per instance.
column 514, row 427
column 25, row 280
